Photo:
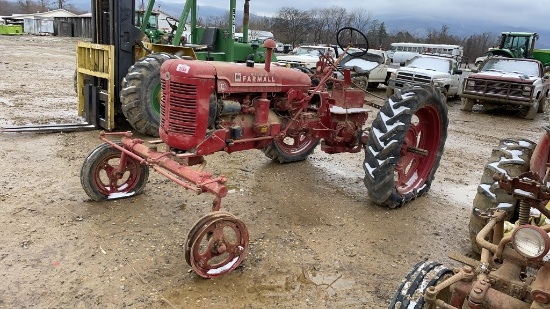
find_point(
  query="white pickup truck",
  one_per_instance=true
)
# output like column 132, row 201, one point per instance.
column 443, row 72
column 307, row 56
column 503, row 82
column 368, row 70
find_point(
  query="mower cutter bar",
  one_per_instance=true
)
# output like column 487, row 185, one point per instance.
column 49, row 128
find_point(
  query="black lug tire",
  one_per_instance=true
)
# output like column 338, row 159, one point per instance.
column 91, row 163
column 136, row 93
column 410, row 293
column 277, row 154
column 383, row 150
column 512, row 156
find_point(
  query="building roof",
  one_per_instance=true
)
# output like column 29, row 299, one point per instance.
column 48, row 14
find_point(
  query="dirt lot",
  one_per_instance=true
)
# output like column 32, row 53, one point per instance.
column 316, row 240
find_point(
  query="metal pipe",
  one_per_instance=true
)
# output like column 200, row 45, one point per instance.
column 246, row 18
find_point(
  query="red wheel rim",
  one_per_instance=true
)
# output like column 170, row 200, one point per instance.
column 294, row 145
column 424, row 133
column 110, row 182
column 219, row 247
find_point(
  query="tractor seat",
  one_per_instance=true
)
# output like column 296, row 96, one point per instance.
column 209, row 38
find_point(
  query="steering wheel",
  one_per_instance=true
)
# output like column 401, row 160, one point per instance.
column 173, row 26
column 348, row 33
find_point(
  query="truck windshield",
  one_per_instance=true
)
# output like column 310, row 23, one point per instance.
column 510, row 65
column 429, row 63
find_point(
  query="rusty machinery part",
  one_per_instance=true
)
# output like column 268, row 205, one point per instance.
column 511, row 157
column 345, row 37
column 107, row 173
column 292, row 148
column 141, row 92
column 405, row 145
column 217, row 244
column 425, row 274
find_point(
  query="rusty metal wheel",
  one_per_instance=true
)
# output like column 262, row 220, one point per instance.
column 405, row 146
column 103, row 178
column 292, row 148
column 216, row 245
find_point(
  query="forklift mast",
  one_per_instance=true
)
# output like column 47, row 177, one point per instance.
column 113, row 24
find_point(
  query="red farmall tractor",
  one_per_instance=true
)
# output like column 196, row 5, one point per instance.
column 509, row 227
column 208, row 107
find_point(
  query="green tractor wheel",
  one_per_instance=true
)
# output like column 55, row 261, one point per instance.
column 140, row 94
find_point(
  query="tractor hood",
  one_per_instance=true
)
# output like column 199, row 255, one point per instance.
column 237, row 77
column 504, row 76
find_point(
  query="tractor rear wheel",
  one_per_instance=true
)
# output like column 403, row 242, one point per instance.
column 405, row 145
column 410, row 293
column 101, row 179
column 292, row 148
column 140, row 93
column 511, row 157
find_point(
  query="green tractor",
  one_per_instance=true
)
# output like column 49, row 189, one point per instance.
column 151, row 28
column 520, row 45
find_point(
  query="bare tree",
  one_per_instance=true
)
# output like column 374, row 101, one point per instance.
column 292, row 24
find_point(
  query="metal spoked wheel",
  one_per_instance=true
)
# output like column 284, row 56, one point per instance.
column 103, row 178
column 292, row 148
column 405, row 146
column 216, row 245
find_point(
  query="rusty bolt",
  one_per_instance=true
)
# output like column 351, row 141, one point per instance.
column 467, row 269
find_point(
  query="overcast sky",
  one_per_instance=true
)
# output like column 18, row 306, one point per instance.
column 530, row 13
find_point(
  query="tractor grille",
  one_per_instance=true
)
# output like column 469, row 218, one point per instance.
column 179, row 114
column 411, row 77
column 499, row 89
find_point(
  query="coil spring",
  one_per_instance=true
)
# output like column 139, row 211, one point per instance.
column 524, row 212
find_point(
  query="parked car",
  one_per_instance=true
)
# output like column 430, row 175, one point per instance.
column 307, row 56
column 368, row 70
column 443, row 72
column 503, row 82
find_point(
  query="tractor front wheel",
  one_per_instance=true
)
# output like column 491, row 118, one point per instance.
column 405, row 145
column 140, row 93
column 292, row 148
column 102, row 176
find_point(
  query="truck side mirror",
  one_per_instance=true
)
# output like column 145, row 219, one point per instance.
column 459, row 72
column 402, row 63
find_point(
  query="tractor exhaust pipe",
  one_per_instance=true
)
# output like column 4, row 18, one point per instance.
column 246, row 17
column 269, row 44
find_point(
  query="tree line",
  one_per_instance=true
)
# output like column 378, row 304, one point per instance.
column 318, row 26
column 33, row 6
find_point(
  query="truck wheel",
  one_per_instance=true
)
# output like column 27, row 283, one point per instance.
column 100, row 179
column 410, row 293
column 467, row 104
column 389, row 91
column 291, row 148
column 542, row 104
column 140, row 93
column 511, row 157
column 373, row 85
column 532, row 111
column 405, row 145
column 360, row 82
